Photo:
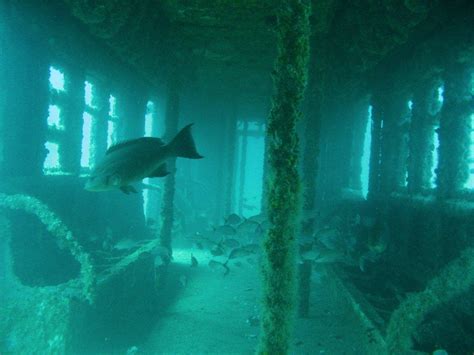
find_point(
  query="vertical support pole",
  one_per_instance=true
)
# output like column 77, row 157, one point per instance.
column 310, row 160
column 396, row 110
column 131, row 110
column 25, row 99
column 171, row 118
column 345, row 143
column 99, row 134
column 222, row 157
column 231, row 144
column 71, row 112
column 243, row 164
column 454, row 130
column 279, row 264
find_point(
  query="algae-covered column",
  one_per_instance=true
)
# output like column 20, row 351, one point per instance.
column 279, row 264
column 171, row 122
column 422, row 126
column 454, row 130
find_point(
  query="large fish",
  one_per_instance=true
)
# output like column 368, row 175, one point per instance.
column 136, row 159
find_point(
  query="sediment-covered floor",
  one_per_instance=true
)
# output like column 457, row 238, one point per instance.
column 209, row 313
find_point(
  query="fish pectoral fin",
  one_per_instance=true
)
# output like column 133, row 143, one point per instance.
column 161, row 171
column 128, row 189
column 124, row 189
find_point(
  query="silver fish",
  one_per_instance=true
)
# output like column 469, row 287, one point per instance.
column 219, row 267
column 194, row 261
column 125, row 244
column 225, row 229
column 233, row 219
column 248, row 227
column 310, row 255
column 259, row 218
column 133, row 160
column 331, row 238
column 246, row 250
column 231, row 243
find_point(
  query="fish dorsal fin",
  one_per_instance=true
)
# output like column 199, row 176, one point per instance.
column 161, row 171
column 132, row 142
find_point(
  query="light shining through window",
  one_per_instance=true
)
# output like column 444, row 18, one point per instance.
column 51, row 164
column 248, row 188
column 149, row 125
column 112, row 106
column 54, row 117
column 365, row 160
column 441, row 94
column 435, row 153
column 470, row 181
column 86, row 140
column 111, row 133
column 146, row 199
column 150, row 110
column 56, row 79
column 52, row 158
column 88, row 97
column 410, row 109
column 435, row 157
column 112, row 121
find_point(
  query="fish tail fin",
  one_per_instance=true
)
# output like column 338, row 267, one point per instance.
column 183, row 144
column 227, row 270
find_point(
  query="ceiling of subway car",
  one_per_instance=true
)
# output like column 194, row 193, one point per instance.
column 234, row 40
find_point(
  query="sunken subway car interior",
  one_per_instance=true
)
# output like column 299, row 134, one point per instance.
column 332, row 210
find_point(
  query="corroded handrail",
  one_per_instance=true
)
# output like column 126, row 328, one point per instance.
column 63, row 236
column 454, row 279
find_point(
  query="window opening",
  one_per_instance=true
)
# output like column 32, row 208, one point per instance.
column 434, row 157
column 52, row 158
column 54, row 117
column 365, row 160
column 52, row 162
column 149, row 118
column 253, row 169
column 112, row 121
column 86, row 140
column 88, row 126
column 470, row 181
column 405, row 141
column 88, row 96
column 148, row 196
column 435, row 151
column 56, row 79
